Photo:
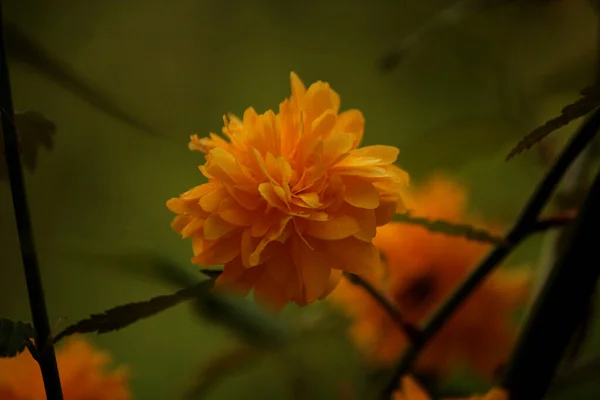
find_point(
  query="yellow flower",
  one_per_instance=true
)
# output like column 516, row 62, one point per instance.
column 81, row 370
column 410, row 390
column 291, row 200
column 421, row 269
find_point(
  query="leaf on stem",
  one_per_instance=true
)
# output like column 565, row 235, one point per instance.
column 35, row 132
column 15, row 336
column 121, row 316
column 244, row 318
column 451, row 229
column 588, row 102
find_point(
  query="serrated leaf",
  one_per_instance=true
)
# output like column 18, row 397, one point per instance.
column 589, row 101
column 15, row 336
column 121, row 316
column 220, row 367
column 451, row 229
column 242, row 317
column 35, row 132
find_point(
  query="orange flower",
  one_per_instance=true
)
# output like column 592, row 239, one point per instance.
column 423, row 268
column 81, row 374
column 410, row 390
column 291, row 201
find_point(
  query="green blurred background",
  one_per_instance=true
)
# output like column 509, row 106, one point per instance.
column 460, row 99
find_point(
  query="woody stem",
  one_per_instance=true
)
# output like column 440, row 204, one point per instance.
column 37, row 303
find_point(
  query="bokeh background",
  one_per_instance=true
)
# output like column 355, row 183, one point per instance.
column 458, row 101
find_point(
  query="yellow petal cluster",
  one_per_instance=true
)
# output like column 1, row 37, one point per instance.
column 83, row 375
column 421, row 269
column 291, row 200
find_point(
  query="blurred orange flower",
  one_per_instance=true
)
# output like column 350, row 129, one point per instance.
column 82, row 375
column 291, row 200
column 410, row 390
column 421, row 269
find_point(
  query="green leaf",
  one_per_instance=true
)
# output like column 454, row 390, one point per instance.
column 122, row 316
column 35, row 132
column 448, row 228
column 15, row 337
column 589, row 101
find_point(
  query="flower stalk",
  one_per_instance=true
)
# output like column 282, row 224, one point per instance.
column 46, row 356
column 411, row 332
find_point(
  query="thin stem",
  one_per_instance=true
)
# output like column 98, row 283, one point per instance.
column 559, row 309
column 37, row 303
column 558, row 220
column 413, row 334
column 523, row 227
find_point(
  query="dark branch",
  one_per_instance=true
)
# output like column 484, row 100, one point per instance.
column 35, row 290
column 523, row 227
column 413, row 334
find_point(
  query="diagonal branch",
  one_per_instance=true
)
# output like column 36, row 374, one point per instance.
column 413, row 334
column 526, row 222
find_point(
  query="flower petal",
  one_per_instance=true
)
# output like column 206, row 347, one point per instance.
column 232, row 271
column 315, row 268
column 298, row 88
column 269, row 293
column 223, row 166
column 216, row 227
column 274, row 233
column 366, row 221
column 385, row 154
column 269, row 193
column 210, row 202
column 412, row 390
column 194, row 226
column 221, row 252
column 311, row 199
column 338, row 227
column 180, row 222
column 319, row 99
column 233, row 213
column 360, row 193
column 200, row 191
column 334, row 280
column 337, row 146
column 355, row 256
column 385, row 213
column 352, row 122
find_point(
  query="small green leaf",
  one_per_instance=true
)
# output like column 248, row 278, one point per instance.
column 35, row 132
column 15, row 337
column 448, row 228
column 589, row 101
column 121, row 316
